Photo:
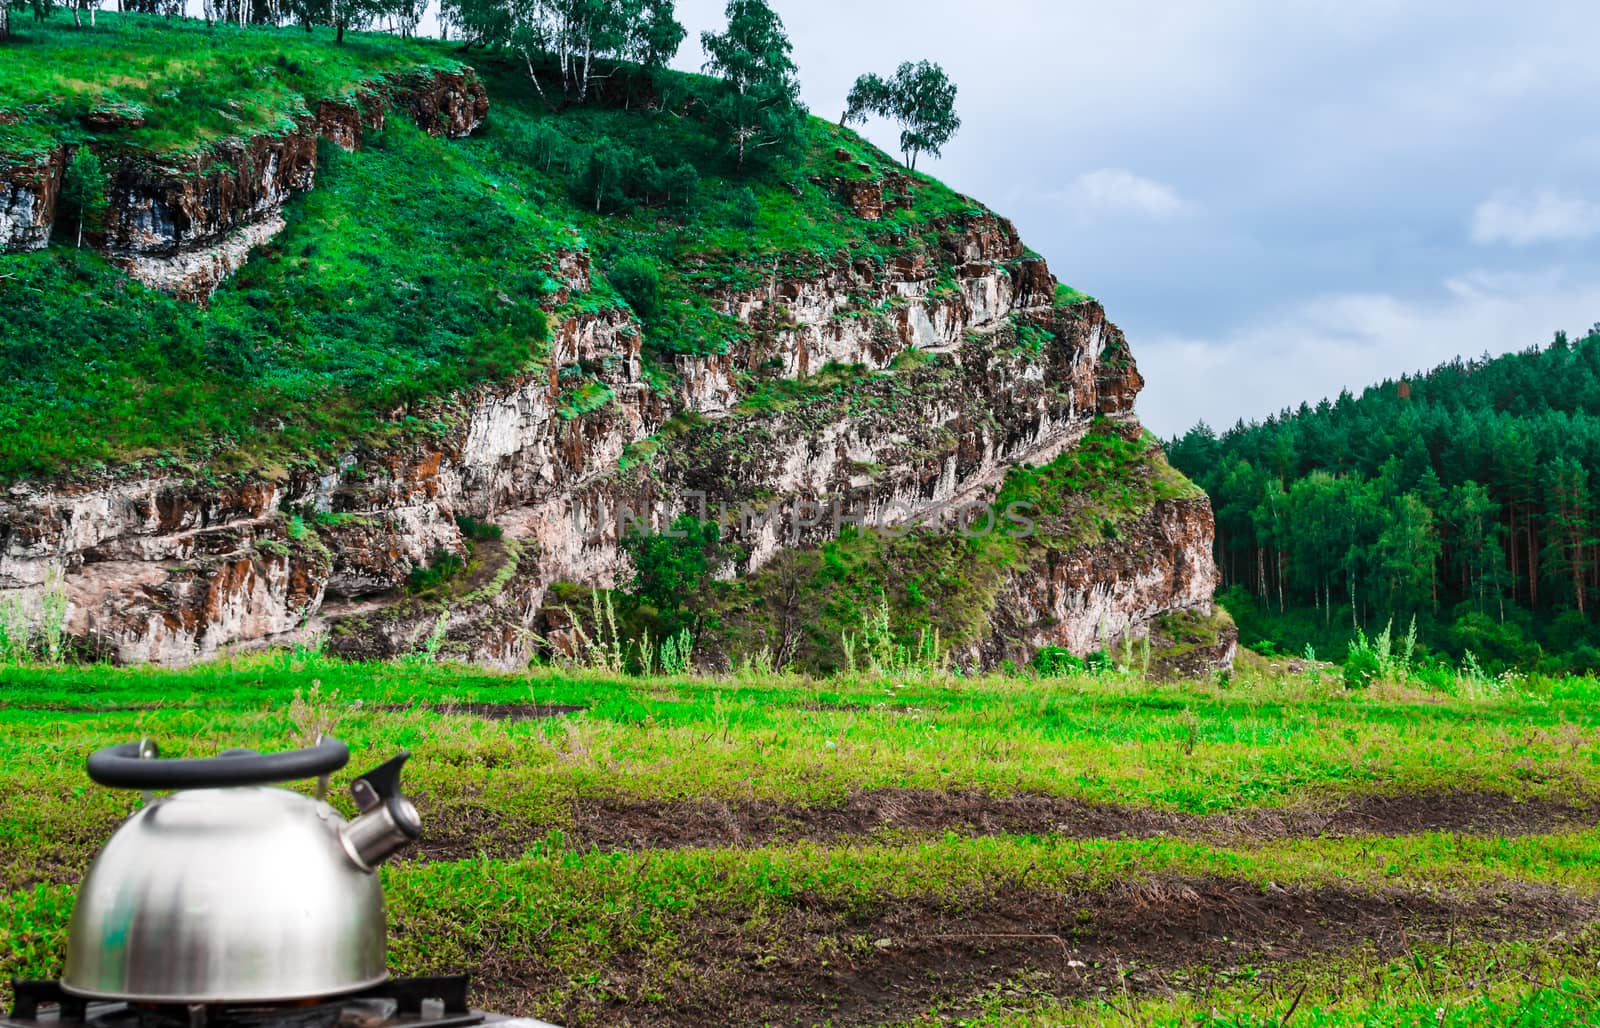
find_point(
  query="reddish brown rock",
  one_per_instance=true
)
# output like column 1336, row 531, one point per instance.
column 864, row 197
column 114, row 117
column 28, row 193
column 451, row 104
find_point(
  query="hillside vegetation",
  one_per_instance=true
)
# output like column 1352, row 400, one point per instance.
column 309, row 348
column 415, row 267
column 190, row 84
column 1461, row 498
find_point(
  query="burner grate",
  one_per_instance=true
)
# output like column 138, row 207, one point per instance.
column 431, row 1002
column 29, row 994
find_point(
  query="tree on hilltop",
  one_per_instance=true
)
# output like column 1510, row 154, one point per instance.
column 920, row 97
column 655, row 33
column 575, row 32
column 871, row 94
column 759, row 101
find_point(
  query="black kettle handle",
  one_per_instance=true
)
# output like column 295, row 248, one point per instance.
column 133, row 765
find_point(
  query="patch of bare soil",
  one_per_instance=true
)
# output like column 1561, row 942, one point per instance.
column 1463, row 813
column 60, row 708
column 488, row 711
column 816, row 961
column 612, row 823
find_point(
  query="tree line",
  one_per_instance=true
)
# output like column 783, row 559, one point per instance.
column 1462, row 497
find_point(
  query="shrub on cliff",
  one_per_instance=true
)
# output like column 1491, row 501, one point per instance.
column 674, row 570
column 639, row 282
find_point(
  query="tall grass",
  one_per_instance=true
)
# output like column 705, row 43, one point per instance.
column 877, row 648
column 37, row 633
column 1383, row 658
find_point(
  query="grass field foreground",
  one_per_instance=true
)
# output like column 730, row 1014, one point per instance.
column 927, row 849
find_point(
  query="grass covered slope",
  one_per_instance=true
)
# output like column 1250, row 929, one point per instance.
column 702, row 228
column 190, row 85
column 403, row 275
column 414, row 267
column 868, row 850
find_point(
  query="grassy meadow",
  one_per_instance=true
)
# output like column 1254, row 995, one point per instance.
column 1261, row 848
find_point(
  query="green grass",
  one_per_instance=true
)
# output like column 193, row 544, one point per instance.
column 190, row 84
column 586, row 914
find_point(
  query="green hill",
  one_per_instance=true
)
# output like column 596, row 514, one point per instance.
column 385, row 342
column 415, row 267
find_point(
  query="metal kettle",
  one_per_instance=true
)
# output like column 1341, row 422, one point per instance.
column 229, row 892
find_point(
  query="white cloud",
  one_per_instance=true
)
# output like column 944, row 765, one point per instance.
column 1349, row 341
column 1522, row 218
column 1119, row 191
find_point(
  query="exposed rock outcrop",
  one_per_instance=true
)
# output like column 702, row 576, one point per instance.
column 161, row 206
column 1087, row 598
column 977, row 369
column 28, row 193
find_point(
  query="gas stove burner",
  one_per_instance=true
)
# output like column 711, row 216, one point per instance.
column 314, row 1015
column 439, row 1002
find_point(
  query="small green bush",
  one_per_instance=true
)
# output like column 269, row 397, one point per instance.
column 1361, row 667
column 639, row 281
column 444, row 566
column 479, row 531
column 746, row 208
column 1057, row 662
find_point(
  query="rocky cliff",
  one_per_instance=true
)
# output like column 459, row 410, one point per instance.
column 862, row 390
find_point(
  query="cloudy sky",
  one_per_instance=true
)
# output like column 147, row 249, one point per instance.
column 1274, row 200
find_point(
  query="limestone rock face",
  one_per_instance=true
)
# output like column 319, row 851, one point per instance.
column 163, row 569
column 28, row 192
column 1084, row 598
column 963, row 366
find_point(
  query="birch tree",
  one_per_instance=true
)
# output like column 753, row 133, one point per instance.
column 759, row 101
column 920, row 97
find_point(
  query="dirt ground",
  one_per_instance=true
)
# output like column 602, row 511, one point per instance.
column 821, row 962
column 462, row 830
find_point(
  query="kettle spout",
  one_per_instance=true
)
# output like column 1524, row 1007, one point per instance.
column 388, row 822
column 381, row 832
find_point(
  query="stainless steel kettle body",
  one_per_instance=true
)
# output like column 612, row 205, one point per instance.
column 231, row 892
